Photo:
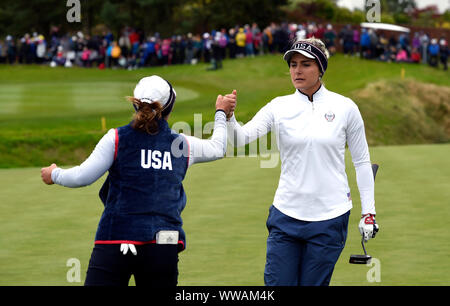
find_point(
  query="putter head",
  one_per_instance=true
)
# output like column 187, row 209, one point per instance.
column 360, row 259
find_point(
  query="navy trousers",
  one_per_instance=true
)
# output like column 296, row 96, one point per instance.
column 302, row 253
column 155, row 265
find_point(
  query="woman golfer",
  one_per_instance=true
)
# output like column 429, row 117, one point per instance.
column 143, row 193
column 308, row 220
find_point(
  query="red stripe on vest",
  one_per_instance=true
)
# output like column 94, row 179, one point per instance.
column 116, row 146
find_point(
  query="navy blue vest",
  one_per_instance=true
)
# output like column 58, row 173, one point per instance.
column 143, row 192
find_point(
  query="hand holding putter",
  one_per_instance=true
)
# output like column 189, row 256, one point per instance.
column 368, row 228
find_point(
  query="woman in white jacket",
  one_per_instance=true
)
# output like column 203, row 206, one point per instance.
column 308, row 220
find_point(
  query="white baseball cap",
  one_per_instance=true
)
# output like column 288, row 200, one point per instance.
column 155, row 89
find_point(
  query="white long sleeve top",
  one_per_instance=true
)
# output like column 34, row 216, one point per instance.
column 311, row 139
column 102, row 157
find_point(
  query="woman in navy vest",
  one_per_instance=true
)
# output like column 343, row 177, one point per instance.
column 143, row 193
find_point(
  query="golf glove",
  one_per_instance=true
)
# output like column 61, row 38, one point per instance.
column 368, row 227
column 124, row 247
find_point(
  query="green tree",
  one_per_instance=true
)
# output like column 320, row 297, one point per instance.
column 18, row 17
column 400, row 10
column 397, row 6
column 204, row 15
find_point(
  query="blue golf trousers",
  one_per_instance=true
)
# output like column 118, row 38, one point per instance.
column 302, row 253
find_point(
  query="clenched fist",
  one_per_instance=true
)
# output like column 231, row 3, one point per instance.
column 46, row 174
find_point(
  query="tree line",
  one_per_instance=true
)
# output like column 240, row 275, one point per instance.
column 166, row 17
column 173, row 17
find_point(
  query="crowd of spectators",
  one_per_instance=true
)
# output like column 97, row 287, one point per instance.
column 134, row 49
column 397, row 47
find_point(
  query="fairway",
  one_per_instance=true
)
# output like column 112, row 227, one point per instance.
column 42, row 227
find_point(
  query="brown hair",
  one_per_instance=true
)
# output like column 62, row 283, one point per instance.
column 147, row 116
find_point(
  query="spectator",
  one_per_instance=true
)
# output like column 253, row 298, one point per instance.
column 392, row 54
column 223, row 43
column 60, row 58
column 443, row 52
column 346, row 36
column 115, row 54
column 385, row 56
column 189, row 49
column 402, row 56
column 198, row 45
column 94, row 57
column 124, row 43
column 416, row 41
column 415, row 55
column 356, row 41
column 329, row 37
column 301, row 32
column 373, row 43
column 365, row 44
column 281, row 38
column 165, row 52
column 86, row 57
column 403, row 40
column 102, row 53
column 381, row 46
column 267, row 40
column 319, row 32
column 11, row 51
column 424, row 41
column 257, row 40
column 181, row 40
column 232, row 43
column 133, row 38
column 240, row 43
column 2, row 52
column 310, row 30
column 248, row 41
column 207, row 47
column 216, row 61
column 433, row 51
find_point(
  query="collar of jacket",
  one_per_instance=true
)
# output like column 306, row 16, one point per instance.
column 319, row 93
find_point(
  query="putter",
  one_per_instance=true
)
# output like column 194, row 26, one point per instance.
column 364, row 259
column 360, row 259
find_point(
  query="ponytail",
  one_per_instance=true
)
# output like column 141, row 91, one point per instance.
column 147, row 116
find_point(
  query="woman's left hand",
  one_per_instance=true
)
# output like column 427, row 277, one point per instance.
column 368, row 227
column 46, row 174
column 233, row 98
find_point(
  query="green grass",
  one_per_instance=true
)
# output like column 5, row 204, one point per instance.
column 228, row 201
column 54, row 114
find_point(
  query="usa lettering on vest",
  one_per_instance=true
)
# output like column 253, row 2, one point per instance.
column 156, row 160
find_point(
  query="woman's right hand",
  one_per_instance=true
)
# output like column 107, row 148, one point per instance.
column 232, row 96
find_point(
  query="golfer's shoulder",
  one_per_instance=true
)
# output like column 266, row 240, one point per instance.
column 341, row 100
column 282, row 100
